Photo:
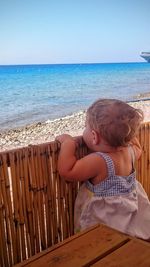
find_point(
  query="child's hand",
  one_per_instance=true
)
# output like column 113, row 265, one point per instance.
column 63, row 137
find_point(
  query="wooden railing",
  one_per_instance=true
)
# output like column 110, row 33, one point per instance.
column 36, row 205
column 143, row 165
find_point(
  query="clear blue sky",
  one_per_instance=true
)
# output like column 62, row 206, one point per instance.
column 73, row 31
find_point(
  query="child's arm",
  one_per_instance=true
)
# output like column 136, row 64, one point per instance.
column 71, row 168
column 136, row 147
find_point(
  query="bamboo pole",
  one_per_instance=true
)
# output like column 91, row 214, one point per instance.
column 25, row 244
column 56, row 190
column 20, row 225
column 27, row 201
column 8, row 208
column 40, row 176
column 12, row 157
column 50, row 199
column 34, row 220
column 148, row 167
column 3, row 218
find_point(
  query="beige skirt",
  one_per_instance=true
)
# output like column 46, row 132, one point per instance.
column 129, row 214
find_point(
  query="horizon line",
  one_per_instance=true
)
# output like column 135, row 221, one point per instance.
column 78, row 63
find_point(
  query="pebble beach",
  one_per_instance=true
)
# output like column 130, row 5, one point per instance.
column 43, row 132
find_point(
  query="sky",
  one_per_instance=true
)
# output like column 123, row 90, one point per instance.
column 73, row 31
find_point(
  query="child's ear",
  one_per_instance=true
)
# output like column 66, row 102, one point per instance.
column 95, row 137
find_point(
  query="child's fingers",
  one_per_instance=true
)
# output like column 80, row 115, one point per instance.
column 63, row 137
column 59, row 138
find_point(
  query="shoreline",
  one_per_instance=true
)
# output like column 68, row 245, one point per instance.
column 43, row 132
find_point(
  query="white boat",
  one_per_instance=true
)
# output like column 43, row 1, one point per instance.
column 146, row 56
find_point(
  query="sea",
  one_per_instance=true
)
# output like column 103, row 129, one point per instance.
column 37, row 93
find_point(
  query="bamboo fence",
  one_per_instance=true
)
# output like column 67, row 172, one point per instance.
column 36, row 205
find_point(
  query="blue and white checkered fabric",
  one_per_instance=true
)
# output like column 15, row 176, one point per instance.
column 113, row 185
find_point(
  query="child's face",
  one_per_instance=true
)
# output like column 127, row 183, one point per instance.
column 87, row 135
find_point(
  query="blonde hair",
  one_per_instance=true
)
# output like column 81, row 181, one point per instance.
column 115, row 120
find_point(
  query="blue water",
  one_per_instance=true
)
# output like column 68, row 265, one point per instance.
column 33, row 93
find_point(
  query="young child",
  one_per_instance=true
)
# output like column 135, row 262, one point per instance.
column 110, row 193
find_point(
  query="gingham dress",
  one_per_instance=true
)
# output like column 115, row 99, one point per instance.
column 119, row 202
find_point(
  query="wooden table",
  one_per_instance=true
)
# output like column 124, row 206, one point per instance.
column 97, row 246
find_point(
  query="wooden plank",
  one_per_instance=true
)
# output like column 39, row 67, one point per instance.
column 81, row 250
column 134, row 253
